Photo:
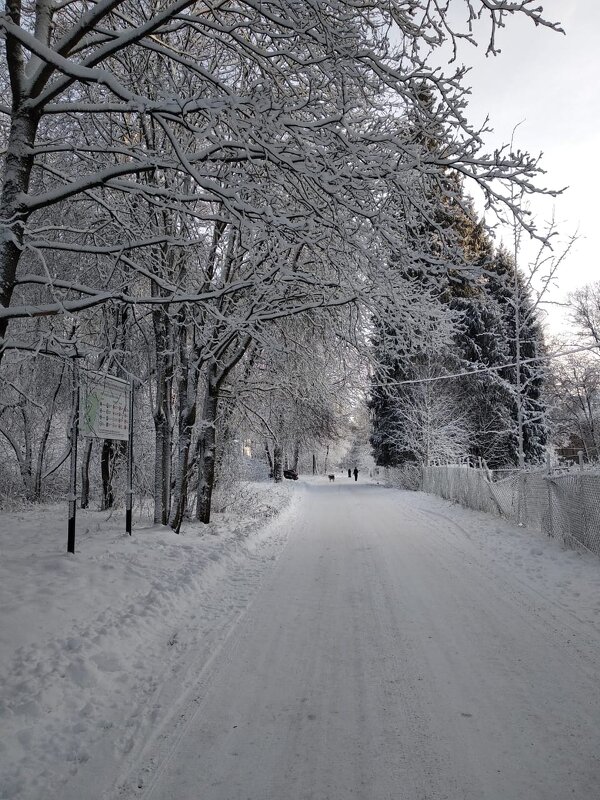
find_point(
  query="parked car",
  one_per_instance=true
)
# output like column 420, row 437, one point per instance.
column 291, row 474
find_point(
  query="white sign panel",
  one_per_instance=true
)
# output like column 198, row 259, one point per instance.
column 104, row 406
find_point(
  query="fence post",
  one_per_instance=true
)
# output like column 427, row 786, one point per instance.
column 582, row 538
column 520, row 496
column 129, row 493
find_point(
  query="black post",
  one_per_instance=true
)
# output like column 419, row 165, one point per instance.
column 129, row 500
column 73, row 481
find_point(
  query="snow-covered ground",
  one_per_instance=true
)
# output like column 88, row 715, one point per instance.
column 361, row 642
column 88, row 640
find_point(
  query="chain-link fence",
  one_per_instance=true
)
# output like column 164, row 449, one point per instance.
column 574, row 509
column 566, row 506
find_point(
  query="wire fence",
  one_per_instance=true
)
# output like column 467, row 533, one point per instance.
column 563, row 505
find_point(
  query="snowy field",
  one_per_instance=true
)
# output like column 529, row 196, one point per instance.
column 400, row 642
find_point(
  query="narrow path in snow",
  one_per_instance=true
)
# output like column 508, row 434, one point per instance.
column 383, row 660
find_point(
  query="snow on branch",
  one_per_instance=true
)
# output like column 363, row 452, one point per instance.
column 142, row 128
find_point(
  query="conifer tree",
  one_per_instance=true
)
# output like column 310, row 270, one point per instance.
column 524, row 335
column 496, row 318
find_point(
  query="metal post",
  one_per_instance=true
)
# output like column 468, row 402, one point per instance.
column 129, row 499
column 582, row 521
column 550, row 519
column 521, row 499
column 73, row 474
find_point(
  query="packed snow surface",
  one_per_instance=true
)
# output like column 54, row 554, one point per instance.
column 364, row 643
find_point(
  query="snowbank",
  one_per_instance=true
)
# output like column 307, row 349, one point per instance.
column 88, row 642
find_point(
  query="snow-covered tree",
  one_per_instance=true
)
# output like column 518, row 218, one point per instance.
column 574, row 393
column 585, row 312
column 294, row 396
column 407, row 365
column 217, row 171
column 31, row 422
column 527, row 371
column 483, row 351
column 227, row 98
column 491, row 401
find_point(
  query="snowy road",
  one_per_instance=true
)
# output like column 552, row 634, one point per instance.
column 385, row 659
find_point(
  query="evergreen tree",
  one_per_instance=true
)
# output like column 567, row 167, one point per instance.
column 523, row 333
column 485, row 344
column 406, row 393
column 482, row 348
column 393, row 366
column 497, row 318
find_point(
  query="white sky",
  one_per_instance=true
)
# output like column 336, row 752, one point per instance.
column 550, row 84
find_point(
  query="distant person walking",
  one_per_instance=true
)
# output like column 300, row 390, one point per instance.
column 355, row 473
column 349, row 472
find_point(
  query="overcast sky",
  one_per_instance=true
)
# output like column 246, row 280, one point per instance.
column 550, row 83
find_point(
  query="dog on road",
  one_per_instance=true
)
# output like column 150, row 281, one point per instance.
column 331, row 478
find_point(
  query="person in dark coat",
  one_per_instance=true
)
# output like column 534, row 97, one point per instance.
column 349, row 472
column 355, row 473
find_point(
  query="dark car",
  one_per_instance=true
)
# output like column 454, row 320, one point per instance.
column 291, row 474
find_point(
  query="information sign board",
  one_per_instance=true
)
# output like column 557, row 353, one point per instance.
column 104, row 406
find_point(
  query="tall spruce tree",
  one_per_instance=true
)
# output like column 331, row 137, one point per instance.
column 524, row 334
column 482, row 349
column 485, row 345
column 477, row 286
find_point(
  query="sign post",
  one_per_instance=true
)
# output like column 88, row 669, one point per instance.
column 73, row 473
column 107, row 413
column 129, row 499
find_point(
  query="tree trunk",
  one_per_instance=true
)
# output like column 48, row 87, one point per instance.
column 187, row 418
column 277, row 463
column 85, row 474
column 112, row 451
column 39, row 467
column 162, row 469
column 106, row 459
column 207, row 455
column 26, row 477
column 162, row 411
column 188, row 383
column 296, row 456
column 27, row 470
column 314, row 460
column 18, row 163
column 269, row 459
